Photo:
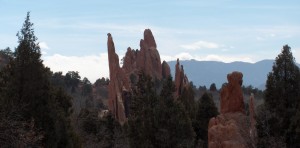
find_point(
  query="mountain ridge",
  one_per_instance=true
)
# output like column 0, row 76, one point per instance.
column 208, row 72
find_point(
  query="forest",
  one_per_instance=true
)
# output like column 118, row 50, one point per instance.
column 41, row 108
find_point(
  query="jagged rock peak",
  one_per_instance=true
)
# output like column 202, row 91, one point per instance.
column 149, row 38
column 146, row 59
column 181, row 80
column 166, row 72
column 117, row 81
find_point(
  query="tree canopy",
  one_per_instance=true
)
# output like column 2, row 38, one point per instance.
column 282, row 97
column 26, row 92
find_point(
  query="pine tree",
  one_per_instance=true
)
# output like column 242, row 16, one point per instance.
column 205, row 111
column 141, row 119
column 170, row 115
column 282, row 96
column 187, row 98
column 26, row 90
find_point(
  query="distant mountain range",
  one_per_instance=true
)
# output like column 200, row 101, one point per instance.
column 208, row 72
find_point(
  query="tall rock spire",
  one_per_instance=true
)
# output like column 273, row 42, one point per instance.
column 116, row 74
column 181, row 80
column 146, row 59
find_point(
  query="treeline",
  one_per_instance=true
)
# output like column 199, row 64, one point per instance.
column 33, row 112
column 39, row 108
column 161, row 120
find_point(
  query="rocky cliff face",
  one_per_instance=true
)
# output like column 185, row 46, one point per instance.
column 232, row 128
column 181, row 80
column 146, row 59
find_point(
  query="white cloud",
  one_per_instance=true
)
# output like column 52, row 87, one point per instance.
column 201, row 45
column 210, row 57
column 296, row 54
column 91, row 66
column 44, row 47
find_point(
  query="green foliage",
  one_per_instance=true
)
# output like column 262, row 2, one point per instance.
column 101, row 81
column 248, row 90
column 172, row 115
column 57, row 80
column 26, row 90
column 87, row 87
column 188, row 100
column 72, row 80
column 106, row 131
column 213, row 87
column 5, row 56
column 266, row 121
column 142, row 117
column 153, row 119
column 7, row 52
column 205, row 111
column 282, row 97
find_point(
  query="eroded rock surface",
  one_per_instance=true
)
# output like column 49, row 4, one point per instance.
column 232, row 95
column 181, row 80
column 232, row 128
column 147, row 59
column 166, row 72
column 117, row 79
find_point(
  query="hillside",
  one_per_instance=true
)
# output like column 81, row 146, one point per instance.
column 208, row 72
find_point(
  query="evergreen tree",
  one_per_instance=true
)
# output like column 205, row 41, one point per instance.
column 87, row 87
column 206, row 110
column 188, row 100
column 170, row 115
column 213, row 87
column 25, row 86
column 282, row 97
column 141, row 119
column 72, row 80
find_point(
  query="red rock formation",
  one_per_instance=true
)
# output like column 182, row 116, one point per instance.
column 116, row 74
column 166, row 72
column 181, row 80
column 232, row 95
column 231, row 128
column 146, row 59
column 253, row 131
column 229, row 131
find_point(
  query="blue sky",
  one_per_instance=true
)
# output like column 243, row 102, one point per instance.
column 73, row 34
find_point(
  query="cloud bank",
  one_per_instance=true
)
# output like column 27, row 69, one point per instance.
column 201, row 45
column 91, row 66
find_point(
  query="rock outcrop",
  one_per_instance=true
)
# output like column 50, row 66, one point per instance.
column 117, row 79
column 232, row 95
column 253, row 131
column 181, row 80
column 147, row 59
column 231, row 129
column 166, row 72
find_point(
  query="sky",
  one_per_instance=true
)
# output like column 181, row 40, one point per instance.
column 73, row 33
